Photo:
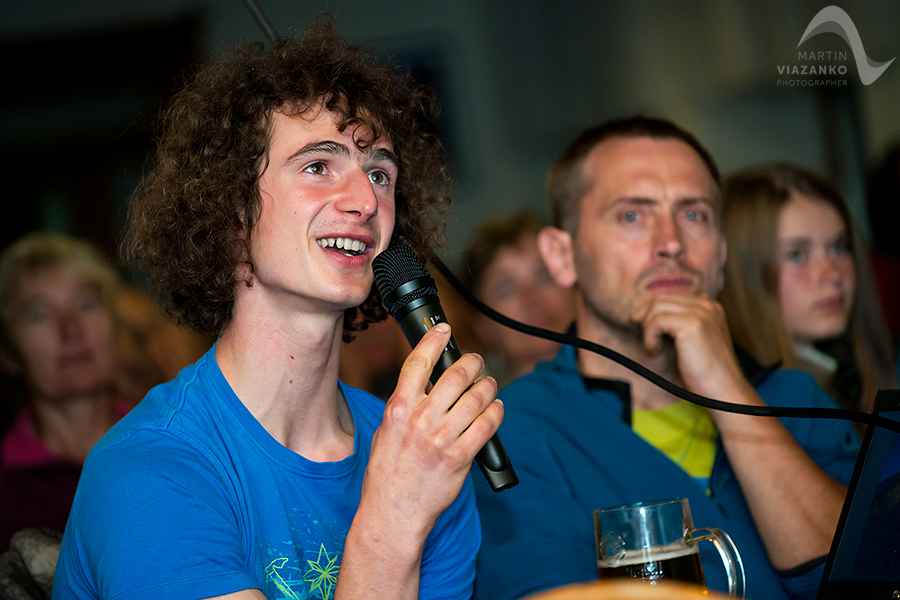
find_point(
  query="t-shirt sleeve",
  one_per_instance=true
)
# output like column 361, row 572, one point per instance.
column 448, row 561
column 153, row 518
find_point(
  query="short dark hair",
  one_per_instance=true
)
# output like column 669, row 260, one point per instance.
column 493, row 235
column 191, row 217
column 566, row 183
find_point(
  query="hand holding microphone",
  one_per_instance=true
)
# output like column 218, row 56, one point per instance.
column 410, row 296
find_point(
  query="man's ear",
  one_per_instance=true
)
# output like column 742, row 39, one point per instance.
column 556, row 247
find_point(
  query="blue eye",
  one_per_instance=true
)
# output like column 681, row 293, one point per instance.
column 630, row 217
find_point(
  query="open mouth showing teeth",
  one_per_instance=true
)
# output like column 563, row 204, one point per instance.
column 346, row 246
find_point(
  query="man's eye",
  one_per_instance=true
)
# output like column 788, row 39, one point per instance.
column 379, row 178
column 695, row 215
column 630, row 217
column 316, row 168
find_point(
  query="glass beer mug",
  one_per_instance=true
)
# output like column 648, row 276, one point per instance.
column 657, row 540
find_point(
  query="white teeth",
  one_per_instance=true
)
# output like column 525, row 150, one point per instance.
column 343, row 244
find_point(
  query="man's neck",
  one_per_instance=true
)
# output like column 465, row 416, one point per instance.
column 284, row 369
column 644, row 394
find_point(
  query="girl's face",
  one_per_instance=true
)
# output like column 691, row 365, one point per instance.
column 818, row 278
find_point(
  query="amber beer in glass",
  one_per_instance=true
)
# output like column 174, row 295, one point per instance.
column 653, row 541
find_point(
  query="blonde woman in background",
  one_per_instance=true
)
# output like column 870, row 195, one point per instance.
column 798, row 283
column 58, row 338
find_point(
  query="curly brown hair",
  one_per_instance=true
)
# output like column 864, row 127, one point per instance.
column 191, row 217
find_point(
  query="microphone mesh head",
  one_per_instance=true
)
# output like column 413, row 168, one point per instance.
column 396, row 266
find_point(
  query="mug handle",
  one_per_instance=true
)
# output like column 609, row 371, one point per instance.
column 734, row 566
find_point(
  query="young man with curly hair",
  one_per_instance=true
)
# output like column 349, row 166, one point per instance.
column 256, row 473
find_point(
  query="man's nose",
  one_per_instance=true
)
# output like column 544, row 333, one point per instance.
column 359, row 196
column 668, row 239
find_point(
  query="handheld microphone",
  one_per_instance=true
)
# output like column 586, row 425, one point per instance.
column 410, row 296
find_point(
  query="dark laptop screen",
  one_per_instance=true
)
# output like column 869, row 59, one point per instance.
column 865, row 555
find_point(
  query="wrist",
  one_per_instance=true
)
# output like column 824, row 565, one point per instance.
column 378, row 534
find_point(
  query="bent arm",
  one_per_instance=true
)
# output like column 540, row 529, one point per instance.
column 794, row 503
column 420, row 459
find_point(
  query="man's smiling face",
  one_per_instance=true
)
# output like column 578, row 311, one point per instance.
column 327, row 209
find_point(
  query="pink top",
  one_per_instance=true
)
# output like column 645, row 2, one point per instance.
column 22, row 448
column 36, row 486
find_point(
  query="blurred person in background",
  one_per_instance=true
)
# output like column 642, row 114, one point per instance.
column 798, row 282
column 372, row 360
column 504, row 269
column 58, row 337
column 152, row 348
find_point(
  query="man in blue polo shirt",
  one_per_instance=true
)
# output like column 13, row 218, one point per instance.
column 636, row 206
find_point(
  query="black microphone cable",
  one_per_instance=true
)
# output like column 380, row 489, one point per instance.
column 571, row 340
column 658, row 380
column 261, row 19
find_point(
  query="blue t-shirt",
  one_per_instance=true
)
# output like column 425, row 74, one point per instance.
column 190, row 497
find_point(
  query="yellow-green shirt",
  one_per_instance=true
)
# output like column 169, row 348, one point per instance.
column 684, row 432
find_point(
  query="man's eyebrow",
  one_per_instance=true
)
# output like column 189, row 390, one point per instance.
column 379, row 154
column 632, row 200
column 691, row 200
column 326, row 147
column 338, row 149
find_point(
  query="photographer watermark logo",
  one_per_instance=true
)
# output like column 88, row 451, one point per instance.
column 832, row 19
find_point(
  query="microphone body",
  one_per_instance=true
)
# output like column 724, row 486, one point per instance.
column 410, row 296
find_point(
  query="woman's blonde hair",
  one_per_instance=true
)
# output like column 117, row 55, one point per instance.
column 753, row 201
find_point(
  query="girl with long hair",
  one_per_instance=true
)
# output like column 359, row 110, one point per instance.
column 798, row 284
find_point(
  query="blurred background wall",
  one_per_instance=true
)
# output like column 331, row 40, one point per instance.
column 82, row 82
